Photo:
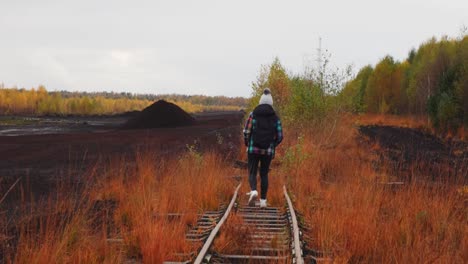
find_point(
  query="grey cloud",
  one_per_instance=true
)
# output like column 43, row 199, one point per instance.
column 211, row 47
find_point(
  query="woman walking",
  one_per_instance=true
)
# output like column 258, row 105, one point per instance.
column 262, row 133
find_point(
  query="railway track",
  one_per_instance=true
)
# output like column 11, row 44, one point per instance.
column 273, row 234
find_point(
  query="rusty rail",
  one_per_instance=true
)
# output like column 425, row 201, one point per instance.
column 297, row 242
column 214, row 232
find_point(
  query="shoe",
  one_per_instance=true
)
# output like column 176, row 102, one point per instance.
column 252, row 195
column 263, row 203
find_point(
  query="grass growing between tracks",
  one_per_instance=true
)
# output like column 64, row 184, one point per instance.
column 121, row 212
column 337, row 185
column 234, row 237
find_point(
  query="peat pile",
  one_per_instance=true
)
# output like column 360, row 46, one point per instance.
column 409, row 149
column 160, row 114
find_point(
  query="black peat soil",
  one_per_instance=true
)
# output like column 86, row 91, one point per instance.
column 410, row 150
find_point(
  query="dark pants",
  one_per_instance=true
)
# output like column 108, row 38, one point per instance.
column 265, row 161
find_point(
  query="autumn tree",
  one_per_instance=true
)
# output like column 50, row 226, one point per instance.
column 461, row 85
column 445, row 105
column 354, row 91
column 383, row 87
column 273, row 76
column 432, row 81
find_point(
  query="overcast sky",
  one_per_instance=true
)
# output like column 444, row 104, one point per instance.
column 203, row 47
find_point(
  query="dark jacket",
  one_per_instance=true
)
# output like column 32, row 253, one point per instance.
column 264, row 112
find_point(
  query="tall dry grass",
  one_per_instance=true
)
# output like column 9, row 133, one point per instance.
column 122, row 212
column 356, row 218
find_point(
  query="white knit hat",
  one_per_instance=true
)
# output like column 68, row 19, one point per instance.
column 266, row 97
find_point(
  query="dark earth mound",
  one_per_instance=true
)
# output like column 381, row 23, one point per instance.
column 160, row 114
column 413, row 150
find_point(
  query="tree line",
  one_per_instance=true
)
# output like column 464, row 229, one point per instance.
column 194, row 99
column 432, row 81
column 38, row 101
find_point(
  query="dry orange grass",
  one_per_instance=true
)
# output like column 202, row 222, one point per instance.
column 359, row 220
column 190, row 185
column 234, row 239
column 144, row 191
column 233, row 236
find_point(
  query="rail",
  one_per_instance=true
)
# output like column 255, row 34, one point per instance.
column 214, row 232
column 297, row 241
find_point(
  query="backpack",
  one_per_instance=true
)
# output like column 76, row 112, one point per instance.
column 264, row 130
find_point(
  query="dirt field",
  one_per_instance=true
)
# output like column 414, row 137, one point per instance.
column 41, row 150
column 409, row 151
